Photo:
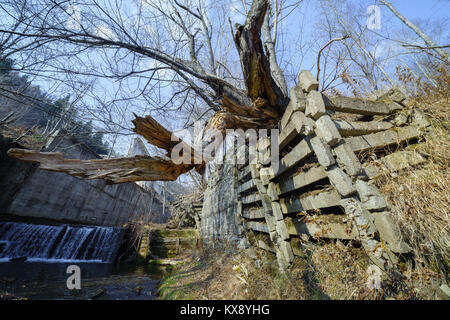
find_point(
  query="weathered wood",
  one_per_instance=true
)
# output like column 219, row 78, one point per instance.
column 154, row 133
column 300, row 180
column 253, row 213
column 358, row 128
column 113, row 170
column 324, row 199
column 323, row 226
column 383, row 139
column 358, row 106
column 255, row 64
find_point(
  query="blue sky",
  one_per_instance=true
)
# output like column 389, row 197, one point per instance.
column 419, row 9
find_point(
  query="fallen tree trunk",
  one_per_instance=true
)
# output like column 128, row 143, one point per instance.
column 113, row 170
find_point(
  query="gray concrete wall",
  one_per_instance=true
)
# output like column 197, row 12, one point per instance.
column 28, row 191
column 219, row 219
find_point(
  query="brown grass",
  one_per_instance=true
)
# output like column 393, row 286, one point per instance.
column 419, row 197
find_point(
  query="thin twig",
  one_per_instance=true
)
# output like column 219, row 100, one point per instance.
column 323, row 48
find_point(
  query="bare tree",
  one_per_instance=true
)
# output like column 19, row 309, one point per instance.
column 111, row 42
column 428, row 41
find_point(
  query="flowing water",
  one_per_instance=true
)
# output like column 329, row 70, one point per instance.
column 34, row 261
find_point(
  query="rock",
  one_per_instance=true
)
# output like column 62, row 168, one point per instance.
column 360, row 215
column 273, row 235
column 302, row 123
column 315, row 107
column 444, row 287
column 307, row 81
column 384, row 138
column 327, row 130
column 323, row 152
column 243, row 244
column 299, row 152
column 324, row 199
column 300, row 180
column 272, row 192
column 341, row 182
column 375, row 203
column 271, row 222
column 298, row 99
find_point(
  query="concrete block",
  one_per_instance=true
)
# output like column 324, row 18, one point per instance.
column 347, row 159
column 355, row 210
column 273, row 236
column 282, row 230
column 327, row 130
column 298, row 99
column 315, row 107
column 390, row 232
column 271, row 222
column 297, row 103
column 341, row 181
column 276, row 209
column 286, row 250
column 303, row 124
column 272, row 191
column 307, row 81
column 370, row 196
column 323, row 152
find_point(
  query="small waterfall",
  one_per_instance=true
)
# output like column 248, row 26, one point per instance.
column 58, row 243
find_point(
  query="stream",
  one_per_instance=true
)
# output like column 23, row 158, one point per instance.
column 34, row 260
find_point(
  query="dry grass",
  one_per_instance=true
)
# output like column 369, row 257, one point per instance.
column 330, row 271
column 419, row 197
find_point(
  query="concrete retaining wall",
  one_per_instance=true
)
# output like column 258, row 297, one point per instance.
column 28, row 191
